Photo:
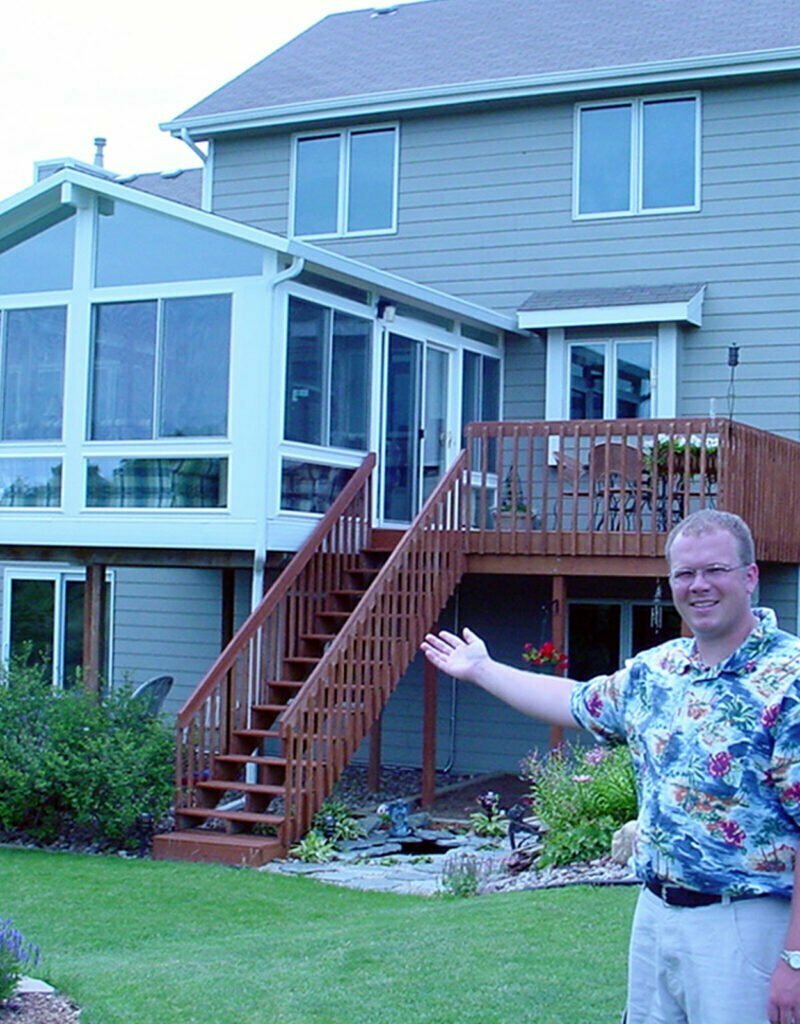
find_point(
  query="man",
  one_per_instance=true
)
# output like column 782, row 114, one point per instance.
column 713, row 725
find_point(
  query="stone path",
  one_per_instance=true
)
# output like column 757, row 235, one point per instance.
column 379, row 863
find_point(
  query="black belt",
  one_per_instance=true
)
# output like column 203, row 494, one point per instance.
column 675, row 896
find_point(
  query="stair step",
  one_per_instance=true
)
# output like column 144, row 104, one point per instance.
column 333, row 613
column 217, row 847
column 318, row 638
column 257, row 759
column 300, row 659
column 356, row 592
column 277, row 708
column 227, row 785
column 257, row 734
column 240, row 817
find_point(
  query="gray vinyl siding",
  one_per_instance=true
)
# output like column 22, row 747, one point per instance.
column 777, row 589
column 485, row 212
column 166, row 622
column 476, row 733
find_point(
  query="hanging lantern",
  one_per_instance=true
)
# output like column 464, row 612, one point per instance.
column 657, row 610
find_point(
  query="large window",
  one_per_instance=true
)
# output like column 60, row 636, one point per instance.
column 136, row 246
column 43, row 622
column 32, row 373
column 190, row 482
column 345, row 182
column 610, row 380
column 327, row 376
column 160, row 369
column 638, row 156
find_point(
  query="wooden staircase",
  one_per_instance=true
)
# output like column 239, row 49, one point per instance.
column 267, row 733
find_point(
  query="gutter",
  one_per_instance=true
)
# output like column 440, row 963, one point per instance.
column 584, row 81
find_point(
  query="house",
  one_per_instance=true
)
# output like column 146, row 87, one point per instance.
column 574, row 226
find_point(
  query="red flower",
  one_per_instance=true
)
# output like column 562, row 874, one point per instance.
column 769, row 716
column 547, row 654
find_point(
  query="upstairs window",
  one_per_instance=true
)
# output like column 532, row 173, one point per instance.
column 160, row 369
column 610, row 380
column 640, row 156
column 327, row 377
column 345, row 182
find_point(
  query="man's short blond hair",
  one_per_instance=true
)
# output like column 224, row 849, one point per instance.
column 707, row 520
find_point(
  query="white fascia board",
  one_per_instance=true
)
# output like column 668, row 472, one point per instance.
column 583, row 81
column 690, row 312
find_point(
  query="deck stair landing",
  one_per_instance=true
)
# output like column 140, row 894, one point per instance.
column 268, row 732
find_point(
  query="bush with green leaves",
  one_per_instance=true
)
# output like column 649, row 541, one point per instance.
column 77, row 769
column 17, row 955
column 335, row 821
column 582, row 796
column 313, row 848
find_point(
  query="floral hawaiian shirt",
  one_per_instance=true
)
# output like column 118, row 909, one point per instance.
column 716, row 753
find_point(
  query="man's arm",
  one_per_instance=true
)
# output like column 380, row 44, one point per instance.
column 541, row 696
column 784, row 989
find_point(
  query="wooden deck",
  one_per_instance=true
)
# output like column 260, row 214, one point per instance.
column 613, row 489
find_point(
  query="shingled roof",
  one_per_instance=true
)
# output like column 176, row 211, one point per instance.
column 446, row 44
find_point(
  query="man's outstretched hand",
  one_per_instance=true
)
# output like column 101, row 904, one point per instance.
column 458, row 657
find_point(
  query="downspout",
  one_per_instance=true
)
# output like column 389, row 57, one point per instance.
column 260, row 554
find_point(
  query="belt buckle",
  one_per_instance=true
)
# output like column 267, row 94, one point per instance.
column 664, row 894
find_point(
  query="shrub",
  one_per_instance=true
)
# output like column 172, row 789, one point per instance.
column 78, row 769
column 16, row 954
column 463, row 874
column 581, row 796
column 313, row 848
column 335, row 821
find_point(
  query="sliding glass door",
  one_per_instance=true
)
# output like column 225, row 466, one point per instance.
column 418, row 439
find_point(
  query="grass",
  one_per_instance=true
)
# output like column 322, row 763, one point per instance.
column 143, row 941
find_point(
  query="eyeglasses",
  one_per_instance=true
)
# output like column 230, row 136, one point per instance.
column 710, row 573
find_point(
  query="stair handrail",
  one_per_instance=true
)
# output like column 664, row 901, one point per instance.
column 443, row 514
column 279, row 589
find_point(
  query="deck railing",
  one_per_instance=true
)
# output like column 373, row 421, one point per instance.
column 242, row 675
column 616, row 487
column 344, row 695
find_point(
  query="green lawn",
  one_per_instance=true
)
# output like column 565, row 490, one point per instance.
column 161, row 943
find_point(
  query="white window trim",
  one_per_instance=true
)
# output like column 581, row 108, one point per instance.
column 635, row 208
column 344, row 135
column 59, row 575
column 664, row 400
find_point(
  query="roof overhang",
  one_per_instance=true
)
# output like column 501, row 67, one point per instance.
column 58, row 196
column 598, row 307
column 677, row 73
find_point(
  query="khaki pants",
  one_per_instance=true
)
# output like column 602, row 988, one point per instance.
column 704, row 965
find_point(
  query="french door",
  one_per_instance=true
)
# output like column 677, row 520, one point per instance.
column 419, row 430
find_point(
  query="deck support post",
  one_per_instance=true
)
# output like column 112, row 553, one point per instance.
column 558, row 629
column 227, row 606
column 94, row 634
column 429, row 686
column 374, row 766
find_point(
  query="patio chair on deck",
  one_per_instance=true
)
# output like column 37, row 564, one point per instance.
column 621, row 487
column 152, row 694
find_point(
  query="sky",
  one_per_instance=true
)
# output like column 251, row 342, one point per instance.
column 73, row 71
